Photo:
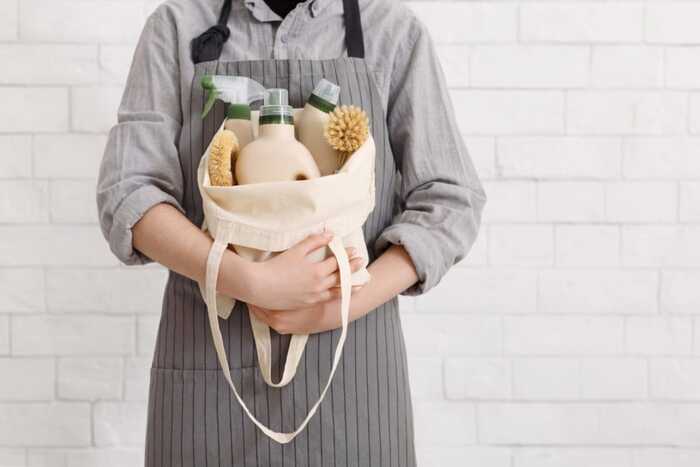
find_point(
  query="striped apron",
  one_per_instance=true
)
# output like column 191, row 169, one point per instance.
column 366, row 417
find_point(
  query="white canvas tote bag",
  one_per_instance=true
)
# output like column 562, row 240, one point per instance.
column 264, row 219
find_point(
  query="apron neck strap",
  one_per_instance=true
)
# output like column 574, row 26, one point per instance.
column 209, row 45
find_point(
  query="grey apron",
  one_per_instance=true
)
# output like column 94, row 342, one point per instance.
column 366, row 418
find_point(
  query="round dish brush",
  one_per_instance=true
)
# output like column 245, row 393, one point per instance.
column 224, row 148
column 347, row 129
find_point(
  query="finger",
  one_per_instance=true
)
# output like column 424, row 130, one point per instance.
column 356, row 264
column 332, row 293
column 312, row 242
column 330, row 264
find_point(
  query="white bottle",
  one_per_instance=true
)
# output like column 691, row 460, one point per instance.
column 275, row 155
column 238, row 121
column 312, row 122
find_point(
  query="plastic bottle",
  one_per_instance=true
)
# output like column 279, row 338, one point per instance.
column 275, row 155
column 312, row 121
column 238, row 121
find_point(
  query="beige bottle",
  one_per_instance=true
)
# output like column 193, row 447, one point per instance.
column 238, row 121
column 312, row 121
column 275, row 155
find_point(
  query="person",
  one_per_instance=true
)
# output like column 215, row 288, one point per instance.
column 428, row 208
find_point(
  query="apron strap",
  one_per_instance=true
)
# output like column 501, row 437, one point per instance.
column 354, row 39
column 209, row 45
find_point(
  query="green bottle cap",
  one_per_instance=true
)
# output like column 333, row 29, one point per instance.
column 238, row 111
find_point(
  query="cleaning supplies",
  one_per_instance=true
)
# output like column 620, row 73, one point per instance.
column 347, row 129
column 223, row 147
column 311, row 123
column 230, row 89
column 275, row 155
column 238, row 121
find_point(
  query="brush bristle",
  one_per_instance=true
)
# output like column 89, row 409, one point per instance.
column 347, row 129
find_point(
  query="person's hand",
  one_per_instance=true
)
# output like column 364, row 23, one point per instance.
column 307, row 320
column 291, row 280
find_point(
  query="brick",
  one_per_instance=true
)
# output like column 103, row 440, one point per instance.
column 146, row 331
column 613, row 379
column 477, row 378
column 21, row 290
column 457, row 425
column 680, row 292
column 490, row 290
column 116, row 290
column 512, row 423
column 79, row 21
column 641, row 202
column 587, row 245
column 695, row 113
column 136, row 378
column 570, row 201
column 54, row 246
column 27, row 379
column 521, row 245
column 559, row 157
column 90, row 378
column 626, row 112
column 450, row 22
column 68, row 64
column 581, row 22
column 439, row 334
column 116, row 457
column 598, row 291
column 537, row 66
column 9, row 20
column 45, row 424
column 672, row 23
column 19, row 110
column 675, row 378
column 658, row 336
column 464, row 455
column 682, row 69
column 73, row 202
column 570, row 457
column 670, row 246
column 494, row 112
column 664, row 158
column 4, row 335
column 17, row 156
column 114, row 63
column 628, row 67
column 454, row 60
column 94, row 109
column 649, row 424
column 13, row 457
column 119, row 423
column 71, row 155
column 677, row 457
column 690, row 202
column 426, row 379
column 72, row 335
column 546, row 379
column 563, row 335
column 510, row 202
column 23, row 201
column 482, row 151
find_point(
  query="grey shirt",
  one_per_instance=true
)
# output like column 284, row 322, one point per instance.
column 441, row 197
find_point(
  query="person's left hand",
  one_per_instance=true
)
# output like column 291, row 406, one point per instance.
column 320, row 317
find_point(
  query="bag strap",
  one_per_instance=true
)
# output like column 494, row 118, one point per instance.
column 216, row 253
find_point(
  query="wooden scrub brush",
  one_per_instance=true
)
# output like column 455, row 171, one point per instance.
column 224, row 148
column 347, row 129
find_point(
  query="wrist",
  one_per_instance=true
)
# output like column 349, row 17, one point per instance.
column 237, row 277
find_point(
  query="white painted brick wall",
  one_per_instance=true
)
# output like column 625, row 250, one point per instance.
column 567, row 338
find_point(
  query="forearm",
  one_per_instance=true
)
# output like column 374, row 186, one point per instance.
column 166, row 236
column 392, row 273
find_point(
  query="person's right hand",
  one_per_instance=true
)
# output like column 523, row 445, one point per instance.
column 291, row 280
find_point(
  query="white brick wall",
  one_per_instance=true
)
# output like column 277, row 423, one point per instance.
column 568, row 338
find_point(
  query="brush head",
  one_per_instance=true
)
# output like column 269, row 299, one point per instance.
column 347, row 129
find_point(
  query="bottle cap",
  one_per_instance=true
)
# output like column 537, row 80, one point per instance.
column 276, row 104
column 325, row 95
column 238, row 111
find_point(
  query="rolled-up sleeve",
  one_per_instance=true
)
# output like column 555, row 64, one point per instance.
column 441, row 196
column 140, row 166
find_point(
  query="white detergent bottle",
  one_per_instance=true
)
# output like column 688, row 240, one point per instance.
column 312, row 121
column 238, row 121
column 275, row 155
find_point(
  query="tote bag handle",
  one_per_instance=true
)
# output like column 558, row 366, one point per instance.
column 216, row 253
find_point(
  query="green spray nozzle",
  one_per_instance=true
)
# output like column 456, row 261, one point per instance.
column 230, row 89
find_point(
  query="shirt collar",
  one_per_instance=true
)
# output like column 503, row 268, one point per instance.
column 264, row 13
